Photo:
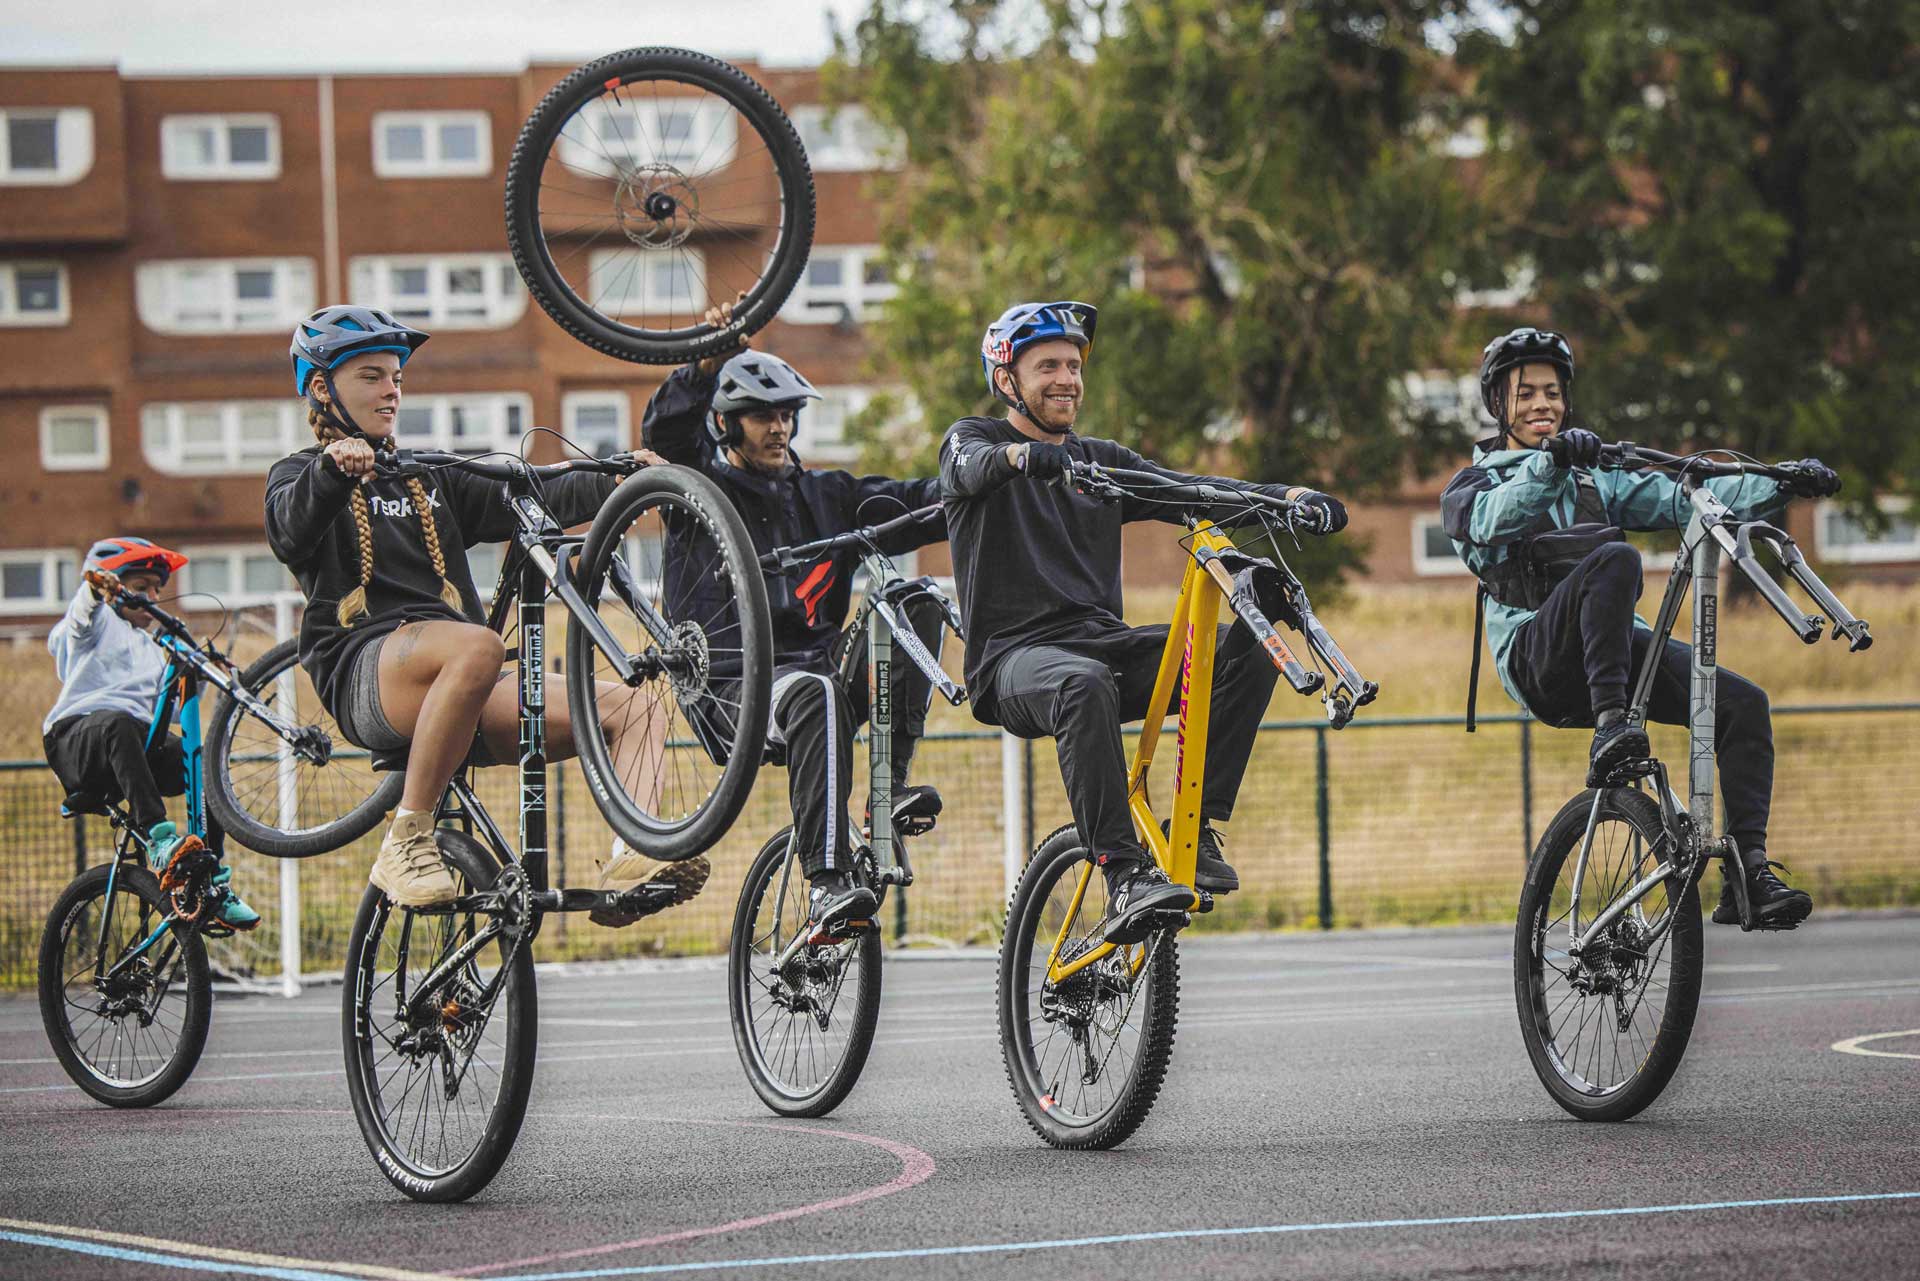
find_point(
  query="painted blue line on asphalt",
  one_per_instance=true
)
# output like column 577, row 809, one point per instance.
column 169, row 1260
column 1131, row 1238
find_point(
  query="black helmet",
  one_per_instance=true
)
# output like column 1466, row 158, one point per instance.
column 332, row 334
column 755, row 380
column 1525, row 345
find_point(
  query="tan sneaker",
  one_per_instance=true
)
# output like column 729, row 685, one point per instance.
column 625, row 868
column 409, row 868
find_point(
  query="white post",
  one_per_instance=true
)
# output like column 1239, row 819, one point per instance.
column 1013, row 809
column 288, row 701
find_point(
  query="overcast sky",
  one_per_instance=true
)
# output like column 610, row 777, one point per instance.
column 145, row 36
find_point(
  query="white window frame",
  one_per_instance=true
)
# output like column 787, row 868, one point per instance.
column 582, row 146
column 849, row 399
column 158, row 285
column 371, row 277
column 812, row 304
column 648, row 302
column 848, row 140
column 234, row 556
column 12, row 317
column 102, row 450
column 52, row 561
column 162, row 430
column 439, row 433
column 574, row 401
column 433, row 164
column 1463, row 395
column 72, row 147
column 1426, row 566
column 1878, row 552
column 177, row 165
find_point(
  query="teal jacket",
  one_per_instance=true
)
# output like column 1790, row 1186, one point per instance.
column 1488, row 507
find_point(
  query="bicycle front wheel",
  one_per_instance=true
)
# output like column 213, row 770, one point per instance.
column 297, row 788
column 1085, row 1054
column 125, row 995
column 649, row 186
column 679, row 600
column 440, row 1020
column 803, row 1025
column 1605, row 1030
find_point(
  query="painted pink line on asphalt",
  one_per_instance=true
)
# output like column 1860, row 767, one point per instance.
column 916, row 1167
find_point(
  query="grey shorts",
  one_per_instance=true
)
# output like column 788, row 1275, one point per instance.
column 361, row 719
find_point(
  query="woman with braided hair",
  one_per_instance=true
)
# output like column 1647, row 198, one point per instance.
column 394, row 635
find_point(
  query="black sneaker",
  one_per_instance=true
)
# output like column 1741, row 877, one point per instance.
column 1620, row 743
column 1774, row 904
column 1141, row 900
column 1211, row 872
column 835, row 903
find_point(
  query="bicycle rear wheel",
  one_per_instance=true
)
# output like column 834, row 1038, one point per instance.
column 672, row 577
column 804, row 1028
column 1606, row 1030
column 650, row 185
column 1085, row 1055
column 439, row 1075
column 126, row 998
column 296, row 789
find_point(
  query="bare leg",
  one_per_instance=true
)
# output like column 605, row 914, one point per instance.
column 435, row 679
column 638, row 735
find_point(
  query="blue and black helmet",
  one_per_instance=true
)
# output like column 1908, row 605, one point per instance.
column 333, row 334
column 1522, row 346
column 1026, row 323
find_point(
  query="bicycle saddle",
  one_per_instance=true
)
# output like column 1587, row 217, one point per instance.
column 81, row 802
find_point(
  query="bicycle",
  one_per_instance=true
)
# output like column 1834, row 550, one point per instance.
column 801, row 1048
column 1609, row 948
column 1086, row 1026
column 649, row 186
column 439, row 1009
column 125, row 987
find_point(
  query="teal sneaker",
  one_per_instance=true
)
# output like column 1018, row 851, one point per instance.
column 162, row 841
column 234, row 912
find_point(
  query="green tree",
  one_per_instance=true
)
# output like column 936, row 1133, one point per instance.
column 1716, row 200
column 1251, row 193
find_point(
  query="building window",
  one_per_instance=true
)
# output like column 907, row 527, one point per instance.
column 240, row 437
column 1444, row 398
column 823, row 424
column 469, row 423
column 231, row 148
column 73, row 437
column 37, row 582
column 1433, row 554
column 483, row 562
column 845, row 139
column 695, row 135
column 224, row 296
column 1844, row 539
column 45, row 146
column 33, row 293
column 841, row 283
column 597, row 421
column 468, row 291
column 623, row 282
column 432, row 144
column 247, row 574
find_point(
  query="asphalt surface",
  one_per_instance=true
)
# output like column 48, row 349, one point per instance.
column 1347, row 1105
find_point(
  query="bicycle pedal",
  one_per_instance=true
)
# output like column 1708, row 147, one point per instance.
column 842, row 931
column 1206, row 900
column 918, row 825
column 187, row 858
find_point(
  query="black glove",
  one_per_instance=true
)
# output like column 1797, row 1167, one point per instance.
column 1044, row 461
column 1574, row 448
column 1810, row 478
column 1324, row 513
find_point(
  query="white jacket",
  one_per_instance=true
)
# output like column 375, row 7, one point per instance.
column 105, row 663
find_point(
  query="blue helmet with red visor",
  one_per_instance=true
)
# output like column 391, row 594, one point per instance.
column 1026, row 323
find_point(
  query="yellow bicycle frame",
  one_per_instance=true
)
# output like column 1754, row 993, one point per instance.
column 1188, row 658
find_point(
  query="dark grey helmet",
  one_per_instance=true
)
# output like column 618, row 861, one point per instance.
column 756, row 380
column 332, row 334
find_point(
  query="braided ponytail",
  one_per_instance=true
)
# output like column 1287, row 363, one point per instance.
column 431, row 532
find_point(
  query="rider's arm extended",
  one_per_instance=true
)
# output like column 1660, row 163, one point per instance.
column 971, row 462
column 305, row 492
column 481, row 509
column 1479, row 508
column 675, row 424
column 1654, row 499
column 77, row 629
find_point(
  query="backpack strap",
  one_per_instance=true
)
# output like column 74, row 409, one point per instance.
column 1479, row 629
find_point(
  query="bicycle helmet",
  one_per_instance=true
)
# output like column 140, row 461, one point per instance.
column 332, row 335
column 755, row 380
column 1026, row 323
column 127, row 555
column 1525, row 345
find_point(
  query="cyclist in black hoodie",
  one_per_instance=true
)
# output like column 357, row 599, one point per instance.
column 734, row 417
column 394, row 635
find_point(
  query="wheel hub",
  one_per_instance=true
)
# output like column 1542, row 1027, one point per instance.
column 689, row 664
column 656, row 206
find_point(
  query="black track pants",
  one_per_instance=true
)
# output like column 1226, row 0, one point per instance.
column 106, row 753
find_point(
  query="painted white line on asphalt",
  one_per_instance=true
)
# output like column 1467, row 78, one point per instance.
column 1855, row 1045
column 188, row 1254
column 1191, row 1234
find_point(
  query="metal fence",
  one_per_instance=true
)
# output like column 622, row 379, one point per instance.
column 1391, row 821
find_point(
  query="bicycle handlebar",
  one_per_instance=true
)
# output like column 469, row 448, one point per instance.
column 114, row 590
column 1118, row 482
column 1626, row 456
column 785, row 558
column 402, row 462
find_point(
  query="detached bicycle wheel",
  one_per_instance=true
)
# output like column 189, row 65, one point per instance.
column 649, row 186
column 671, row 754
column 125, row 998
column 295, row 788
column 1085, row 1054
column 803, row 1026
column 1606, row 1029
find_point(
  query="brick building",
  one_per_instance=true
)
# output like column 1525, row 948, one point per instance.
column 159, row 237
